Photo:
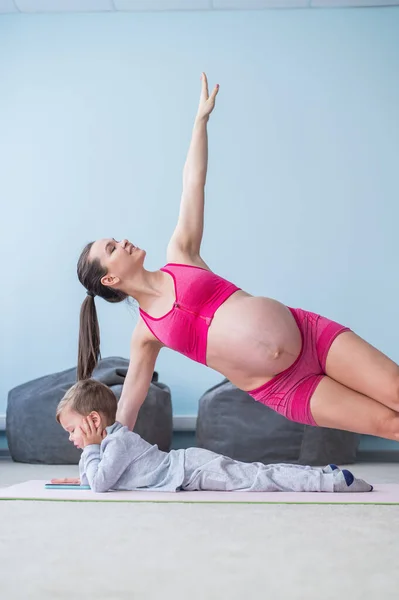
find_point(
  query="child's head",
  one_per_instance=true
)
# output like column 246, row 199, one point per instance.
column 86, row 397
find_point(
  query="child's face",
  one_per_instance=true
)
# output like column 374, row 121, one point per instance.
column 71, row 421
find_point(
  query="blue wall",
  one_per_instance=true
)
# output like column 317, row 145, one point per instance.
column 95, row 119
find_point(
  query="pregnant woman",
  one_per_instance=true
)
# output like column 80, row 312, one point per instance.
column 304, row 366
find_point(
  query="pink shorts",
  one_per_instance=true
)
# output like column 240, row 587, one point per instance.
column 289, row 392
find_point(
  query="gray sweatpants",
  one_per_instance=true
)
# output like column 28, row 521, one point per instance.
column 205, row 470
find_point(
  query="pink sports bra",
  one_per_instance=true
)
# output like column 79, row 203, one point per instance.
column 198, row 294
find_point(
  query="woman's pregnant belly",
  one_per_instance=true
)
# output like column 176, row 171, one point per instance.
column 252, row 339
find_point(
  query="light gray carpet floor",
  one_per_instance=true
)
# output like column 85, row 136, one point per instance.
column 200, row 552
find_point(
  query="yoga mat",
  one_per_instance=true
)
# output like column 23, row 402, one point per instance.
column 384, row 493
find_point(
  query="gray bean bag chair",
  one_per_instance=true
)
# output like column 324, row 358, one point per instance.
column 34, row 436
column 232, row 423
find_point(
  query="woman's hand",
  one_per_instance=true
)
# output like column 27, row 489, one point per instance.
column 90, row 433
column 207, row 102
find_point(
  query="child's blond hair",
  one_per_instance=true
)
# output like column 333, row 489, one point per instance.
column 89, row 395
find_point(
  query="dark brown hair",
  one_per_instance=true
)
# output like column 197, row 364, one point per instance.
column 90, row 273
column 88, row 395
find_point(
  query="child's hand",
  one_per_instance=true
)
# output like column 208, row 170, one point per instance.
column 66, row 480
column 90, row 433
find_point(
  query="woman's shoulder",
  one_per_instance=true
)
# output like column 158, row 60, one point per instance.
column 175, row 256
column 143, row 338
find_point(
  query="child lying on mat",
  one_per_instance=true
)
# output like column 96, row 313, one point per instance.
column 115, row 458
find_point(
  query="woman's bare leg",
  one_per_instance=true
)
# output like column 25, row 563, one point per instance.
column 361, row 367
column 338, row 407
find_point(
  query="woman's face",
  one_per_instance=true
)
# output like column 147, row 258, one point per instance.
column 120, row 259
